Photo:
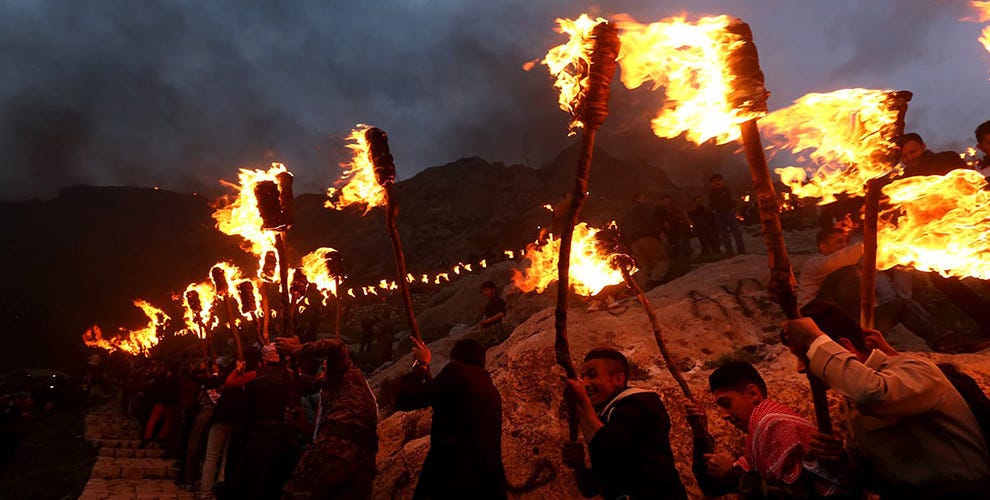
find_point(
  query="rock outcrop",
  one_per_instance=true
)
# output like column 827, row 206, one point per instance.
column 718, row 312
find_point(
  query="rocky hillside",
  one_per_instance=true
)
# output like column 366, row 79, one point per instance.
column 718, row 312
column 79, row 259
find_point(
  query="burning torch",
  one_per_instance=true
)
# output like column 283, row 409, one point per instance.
column 268, row 270
column 196, row 306
column 335, row 266
column 897, row 101
column 220, row 284
column 249, row 306
column 585, row 90
column 275, row 207
column 381, row 158
column 749, row 93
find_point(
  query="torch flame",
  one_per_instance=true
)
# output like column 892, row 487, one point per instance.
column 691, row 61
column 239, row 216
column 983, row 15
column 589, row 272
column 357, row 185
column 135, row 342
column 937, row 223
column 314, row 266
column 569, row 63
column 194, row 319
column 841, row 133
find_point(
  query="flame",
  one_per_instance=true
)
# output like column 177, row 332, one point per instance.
column 569, row 64
column 206, row 297
column 841, row 134
column 314, row 265
column 983, row 15
column 240, row 217
column 138, row 341
column 255, row 290
column 589, row 270
column 937, row 223
column 691, row 61
column 357, row 184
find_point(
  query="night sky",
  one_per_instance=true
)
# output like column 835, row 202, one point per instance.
column 180, row 94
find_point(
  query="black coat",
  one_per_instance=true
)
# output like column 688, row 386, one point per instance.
column 631, row 454
column 465, row 457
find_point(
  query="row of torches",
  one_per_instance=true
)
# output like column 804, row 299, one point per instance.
column 713, row 89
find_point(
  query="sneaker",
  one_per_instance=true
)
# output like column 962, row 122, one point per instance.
column 611, row 303
column 595, row 306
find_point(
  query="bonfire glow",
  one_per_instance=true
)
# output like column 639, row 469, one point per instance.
column 589, row 271
column 937, row 223
column 569, row 63
column 841, row 135
column 357, row 184
column 137, row 342
column 691, row 61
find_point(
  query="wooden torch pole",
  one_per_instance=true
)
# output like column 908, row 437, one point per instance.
column 868, row 276
column 595, row 110
column 222, row 287
column 751, row 94
column 384, row 165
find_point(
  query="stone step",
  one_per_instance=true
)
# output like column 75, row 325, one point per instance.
column 131, row 452
column 125, row 443
column 145, row 489
column 133, row 468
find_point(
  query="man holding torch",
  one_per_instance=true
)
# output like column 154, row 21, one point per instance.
column 627, row 431
column 784, row 456
column 340, row 462
column 905, row 420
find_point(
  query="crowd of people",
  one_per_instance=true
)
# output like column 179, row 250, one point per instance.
column 298, row 419
column 659, row 235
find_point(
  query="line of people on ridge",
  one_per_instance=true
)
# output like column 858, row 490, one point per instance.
column 659, row 235
column 908, row 431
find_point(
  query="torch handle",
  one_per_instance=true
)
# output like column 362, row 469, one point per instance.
column 234, row 330
column 339, row 311
column 266, row 312
column 781, row 286
column 572, row 210
column 207, row 344
column 391, row 213
column 283, row 273
column 868, row 278
column 658, row 335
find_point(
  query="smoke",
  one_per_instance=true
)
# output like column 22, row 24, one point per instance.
column 180, row 94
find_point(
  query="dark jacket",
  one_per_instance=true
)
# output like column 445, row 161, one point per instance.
column 702, row 218
column 638, row 222
column 936, row 164
column 721, row 200
column 465, row 457
column 631, row 454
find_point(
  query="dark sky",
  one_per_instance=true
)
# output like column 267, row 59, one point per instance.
column 181, row 93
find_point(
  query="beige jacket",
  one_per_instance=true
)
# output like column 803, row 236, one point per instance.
column 906, row 420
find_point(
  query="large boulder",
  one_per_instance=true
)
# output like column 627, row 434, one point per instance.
column 718, row 312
